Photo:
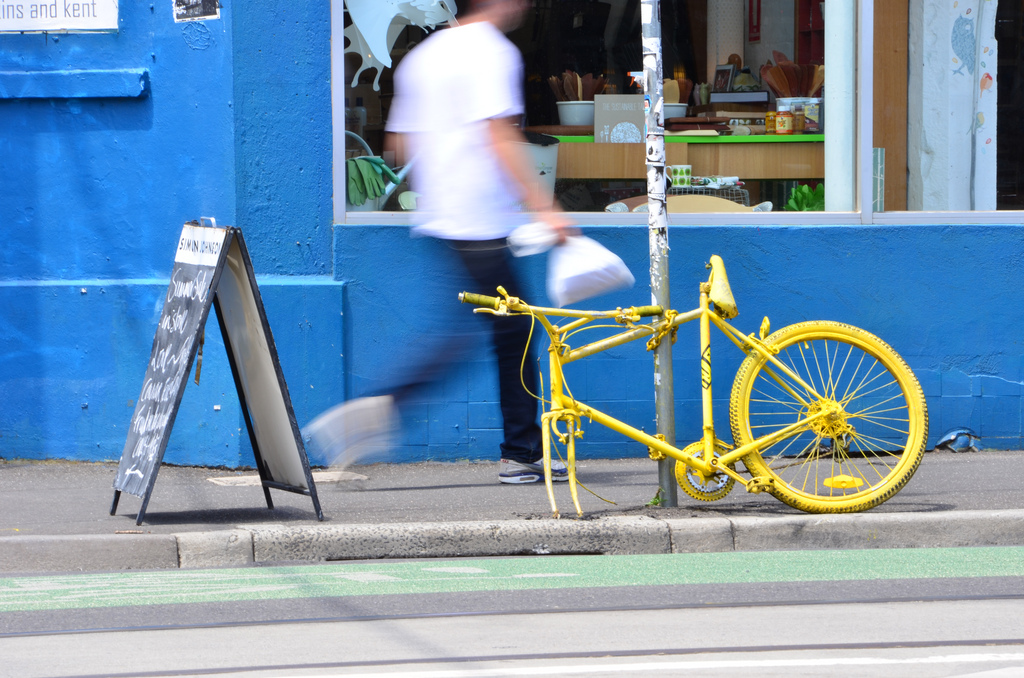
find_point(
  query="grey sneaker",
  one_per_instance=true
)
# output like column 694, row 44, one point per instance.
column 353, row 430
column 517, row 472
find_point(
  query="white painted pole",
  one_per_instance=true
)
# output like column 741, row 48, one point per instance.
column 840, row 101
column 338, row 108
column 657, row 231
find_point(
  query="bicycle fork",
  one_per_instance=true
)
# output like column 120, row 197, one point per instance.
column 562, row 409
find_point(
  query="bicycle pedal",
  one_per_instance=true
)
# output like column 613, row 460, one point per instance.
column 760, row 484
column 657, row 455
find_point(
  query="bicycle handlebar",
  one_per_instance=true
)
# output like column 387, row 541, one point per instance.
column 493, row 303
column 644, row 311
column 479, row 300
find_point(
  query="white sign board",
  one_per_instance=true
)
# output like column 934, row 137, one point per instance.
column 619, row 119
column 199, row 246
column 40, row 16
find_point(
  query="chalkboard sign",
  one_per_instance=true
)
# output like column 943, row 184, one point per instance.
column 212, row 269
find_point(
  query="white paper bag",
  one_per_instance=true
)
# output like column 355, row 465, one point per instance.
column 581, row 268
column 533, row 238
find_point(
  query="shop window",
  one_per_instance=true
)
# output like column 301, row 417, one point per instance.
column 713, row 54
column 949, row 106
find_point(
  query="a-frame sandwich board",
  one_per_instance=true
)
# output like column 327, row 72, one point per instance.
column 212, row 268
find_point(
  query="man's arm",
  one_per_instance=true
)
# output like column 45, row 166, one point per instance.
column 505, row 140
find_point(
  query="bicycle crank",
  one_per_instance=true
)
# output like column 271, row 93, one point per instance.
column 698, row 485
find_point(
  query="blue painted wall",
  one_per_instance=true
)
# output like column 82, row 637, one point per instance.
column 961, row 332
column 95, row 183
column 235, row 124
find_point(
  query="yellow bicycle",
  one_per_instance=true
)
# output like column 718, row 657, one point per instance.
column 825, row 416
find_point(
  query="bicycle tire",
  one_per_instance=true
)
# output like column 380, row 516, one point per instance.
column 857, row 456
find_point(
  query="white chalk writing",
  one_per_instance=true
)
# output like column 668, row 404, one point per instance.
column 197, row 289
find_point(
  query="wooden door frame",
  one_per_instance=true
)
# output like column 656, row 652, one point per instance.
column 890, row 97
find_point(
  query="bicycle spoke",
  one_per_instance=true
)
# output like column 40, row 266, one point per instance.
column 857, row 394
column 853, row 377
column 771, row 399
column 881, row 442
column 883, row 387
column 881, row 476
column 839, row 377
column 869, row 412
column 886, row 426
column 803, row 357
column 782, row 453
column 817, row 364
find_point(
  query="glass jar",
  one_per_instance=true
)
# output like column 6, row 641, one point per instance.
column 784, row 121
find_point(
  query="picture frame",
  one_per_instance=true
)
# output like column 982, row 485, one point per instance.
column 723, row 78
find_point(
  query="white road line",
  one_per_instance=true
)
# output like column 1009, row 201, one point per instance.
column 641, row 668
column 366, row 576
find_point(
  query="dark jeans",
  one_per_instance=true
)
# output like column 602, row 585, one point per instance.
column 489, row 264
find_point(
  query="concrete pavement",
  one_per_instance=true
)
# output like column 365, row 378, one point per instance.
column 54, row 515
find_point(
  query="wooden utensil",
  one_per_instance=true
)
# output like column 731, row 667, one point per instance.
column 670, row 91
column 685, row 89
column 792, row 78
column 569, row 85
column 779, row 82
column 779, row 57
column 818, row 81
column 556, row 86
column 805, row 72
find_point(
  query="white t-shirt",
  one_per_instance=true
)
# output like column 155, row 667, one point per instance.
column 446, row 89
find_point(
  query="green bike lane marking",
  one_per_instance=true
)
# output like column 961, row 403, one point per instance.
column 57, row 592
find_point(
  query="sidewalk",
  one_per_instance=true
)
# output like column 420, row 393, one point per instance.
column 54, row 515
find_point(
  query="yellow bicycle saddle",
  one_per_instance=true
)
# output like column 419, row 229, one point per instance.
column 721, row 293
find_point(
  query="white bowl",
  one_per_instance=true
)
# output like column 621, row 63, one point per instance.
column 576, row 112
column 675, row 111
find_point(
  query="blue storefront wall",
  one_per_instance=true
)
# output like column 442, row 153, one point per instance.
column 947, row 298
column 109, row 142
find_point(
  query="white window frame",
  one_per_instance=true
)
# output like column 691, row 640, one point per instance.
column 863, row 169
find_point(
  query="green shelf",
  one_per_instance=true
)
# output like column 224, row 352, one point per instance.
column 749, row 139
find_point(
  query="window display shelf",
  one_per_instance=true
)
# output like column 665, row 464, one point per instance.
column 749, row 139
column 748, row 157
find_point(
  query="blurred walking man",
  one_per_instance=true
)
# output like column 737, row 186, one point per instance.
column 458, row 99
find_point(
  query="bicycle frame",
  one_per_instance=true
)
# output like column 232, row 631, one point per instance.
column 565, row 408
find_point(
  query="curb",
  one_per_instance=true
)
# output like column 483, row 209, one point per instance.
column 605, row 536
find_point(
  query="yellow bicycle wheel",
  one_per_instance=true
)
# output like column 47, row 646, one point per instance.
column 868, row 443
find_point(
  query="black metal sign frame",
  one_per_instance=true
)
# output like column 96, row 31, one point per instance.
column 213, row 268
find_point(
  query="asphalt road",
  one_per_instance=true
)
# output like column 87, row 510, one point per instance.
column 906, row 612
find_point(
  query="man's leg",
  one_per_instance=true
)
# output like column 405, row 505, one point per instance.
column 489, row 263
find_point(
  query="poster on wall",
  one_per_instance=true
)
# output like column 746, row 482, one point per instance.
column 66, row 16
column 196, row 10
